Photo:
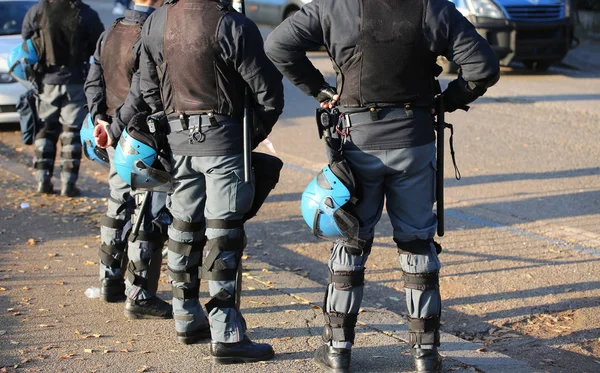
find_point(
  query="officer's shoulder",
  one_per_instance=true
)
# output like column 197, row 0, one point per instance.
column 237, row 19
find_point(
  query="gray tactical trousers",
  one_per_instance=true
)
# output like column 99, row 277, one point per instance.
column 142, row 254
column 405, row 180
column 61, row 110
column 207, row 188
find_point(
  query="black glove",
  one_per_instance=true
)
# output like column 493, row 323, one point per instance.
column 326, row 93
column 460, row 93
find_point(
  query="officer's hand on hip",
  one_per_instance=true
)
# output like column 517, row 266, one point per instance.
column 102, row 135
column 327, row 97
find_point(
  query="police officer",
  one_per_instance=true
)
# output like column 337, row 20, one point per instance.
column 198, row 56
column 64, row 33
column 384, row 54
column 114, row 70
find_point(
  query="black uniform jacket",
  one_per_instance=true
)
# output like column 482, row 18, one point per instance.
column 95, row 90
column 91, row 27
column 240, row 45
column 336, row 25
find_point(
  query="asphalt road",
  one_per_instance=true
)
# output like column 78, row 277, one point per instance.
column 522, row 240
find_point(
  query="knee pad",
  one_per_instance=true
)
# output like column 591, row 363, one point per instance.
column 339, row 327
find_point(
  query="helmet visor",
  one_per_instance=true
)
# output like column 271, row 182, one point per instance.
column 149, row 178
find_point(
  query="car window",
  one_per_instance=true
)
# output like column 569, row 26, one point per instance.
column 11, row 16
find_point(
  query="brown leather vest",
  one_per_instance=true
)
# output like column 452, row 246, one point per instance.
column 391, row 64
column 118, row 62
column 194, row 78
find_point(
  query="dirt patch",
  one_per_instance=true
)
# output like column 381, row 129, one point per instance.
column 548, row 325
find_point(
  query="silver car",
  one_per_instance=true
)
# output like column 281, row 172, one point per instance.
column 270, row 12
column 12, row 13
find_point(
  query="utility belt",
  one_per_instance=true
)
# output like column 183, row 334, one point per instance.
column 340, row 120
column 197, row 125
column 375, row 113
column 184, row 122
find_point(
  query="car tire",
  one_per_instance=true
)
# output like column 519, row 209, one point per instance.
column 537, row 66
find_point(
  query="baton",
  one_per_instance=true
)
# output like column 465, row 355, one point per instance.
column 247, row 125
column 138, row 219
column 439, row 191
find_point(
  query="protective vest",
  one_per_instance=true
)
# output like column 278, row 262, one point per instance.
column 391, row 64
column 118, row 62
column 59, row 40
column 194, row 78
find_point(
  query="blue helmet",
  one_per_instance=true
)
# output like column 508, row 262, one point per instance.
column 135, row 156
column 328, row 201
column 90, row 148
column 21, row 58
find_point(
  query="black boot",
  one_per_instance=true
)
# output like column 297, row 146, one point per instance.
column 427, row 360
column 69, row 190
column 336, row 360
column 244, row 351
column 188, row 338
column 112, row 290
column 45, row 187
column 152, row 308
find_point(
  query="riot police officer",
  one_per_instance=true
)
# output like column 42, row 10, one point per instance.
column 198, row 56
column 64, row 33
column 113, row 71
column 384, row 54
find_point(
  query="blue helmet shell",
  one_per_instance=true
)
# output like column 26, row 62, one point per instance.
column 321, row 205
column 20, row 57
column 128, row 152
column 90, row 148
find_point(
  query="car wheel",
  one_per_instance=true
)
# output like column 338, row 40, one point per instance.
column 537, row 66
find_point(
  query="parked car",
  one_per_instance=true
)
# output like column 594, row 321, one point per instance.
column 12, row 13
column 270, row 12
column 537, row 33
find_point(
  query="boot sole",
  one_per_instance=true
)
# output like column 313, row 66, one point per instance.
column 240, row 359
column 330, row 369
column 138, row 315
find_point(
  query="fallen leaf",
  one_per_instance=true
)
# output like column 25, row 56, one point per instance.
column 144, row 352
column 2, row 289
column 67, row 356
column 245, row 257
column 143, row 369
column 46, row 326
column 483, row 349
column 89, row 263
column 282, row 339
column 124, row 350
column 31, row 242
column 49, row 347
column 88, row 350
column 26, row 288
column 266, row 270
column 315, row 307
column 77, row 331
column 290, row 311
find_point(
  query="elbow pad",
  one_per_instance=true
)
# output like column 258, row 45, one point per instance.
column 460, row 93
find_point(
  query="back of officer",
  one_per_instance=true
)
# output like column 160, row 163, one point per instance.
column 197, row 58
column 64, row 33
column 112, row 72
column 384, row 53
